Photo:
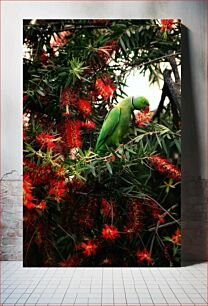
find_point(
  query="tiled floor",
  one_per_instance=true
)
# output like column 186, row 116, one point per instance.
column 103, row 286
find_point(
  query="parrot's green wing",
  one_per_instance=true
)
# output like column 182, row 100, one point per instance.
column 109, row 125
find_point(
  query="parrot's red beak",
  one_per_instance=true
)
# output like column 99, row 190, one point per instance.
column 147, row 109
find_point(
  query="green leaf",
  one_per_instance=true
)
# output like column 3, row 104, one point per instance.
column 122, row 44
column 175, row 250
column 131, row 151
column 128, row 33
column 40, row 92
column 158, row 140
column 92, row 169
column 109, row 168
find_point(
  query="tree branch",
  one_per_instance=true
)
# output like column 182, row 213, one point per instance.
column 161, row 104
column 139, row 64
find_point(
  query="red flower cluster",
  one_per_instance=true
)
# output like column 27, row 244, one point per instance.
column 84, row 107
column 110, row 232
column 59, row 40
column 86, row 214
column 166, row 24
column 68, row 97
column 156, row 212
column 89, row 248
column 89, row 125
column 164, row 166
column 60, row 172
column 46, row 140
column 143, row 117
column 44, row 58
column 176, row 239
column 27, row 192
column 135, row 214
column 106, row 89
column 39, row 175
column 106, row 207
column 41, row 205
column 58, row 190
column 73, row 133
column 144, row 256
column 28, row 199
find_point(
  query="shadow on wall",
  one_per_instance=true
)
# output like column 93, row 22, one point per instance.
column 194, row 203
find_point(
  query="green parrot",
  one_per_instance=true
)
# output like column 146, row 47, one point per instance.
column 116, row 123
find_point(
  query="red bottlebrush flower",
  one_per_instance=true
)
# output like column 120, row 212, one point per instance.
column 46, row 140
column 44, row 58
column 60, row 172
column 30, row 205
column 89, row 125
column 144, row 256
column 166, row 24
column 68, row 97
column 73, row 133
column 135, row 216
column 27, row 192
column 89, row 248
column 42, row 205
column 164, row 166
column 106, row 207
column 40, row 175
column 110, row 232
column 143, row 117
column 86, row 215
column 176, row 239
column 105, row 90
column 156, row 213
column 59, row 40
column 84, row 107
column 58, row 190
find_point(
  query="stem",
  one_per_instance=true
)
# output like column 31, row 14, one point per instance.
column 163, row 225
column 66, row 233
column 139, row 64
column 56, row 248
column 29, row 244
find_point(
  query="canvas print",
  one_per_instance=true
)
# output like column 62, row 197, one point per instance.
column 102, row 143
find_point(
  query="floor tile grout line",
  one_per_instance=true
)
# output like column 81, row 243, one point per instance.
column 135, row 286
column 169, row 288
column 146, row 286
column 69, row 286
column 36, row 284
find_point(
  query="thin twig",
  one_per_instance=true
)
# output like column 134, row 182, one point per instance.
column 163, row 225
column 30, row 244
column 66, row 233
column 139, row 64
